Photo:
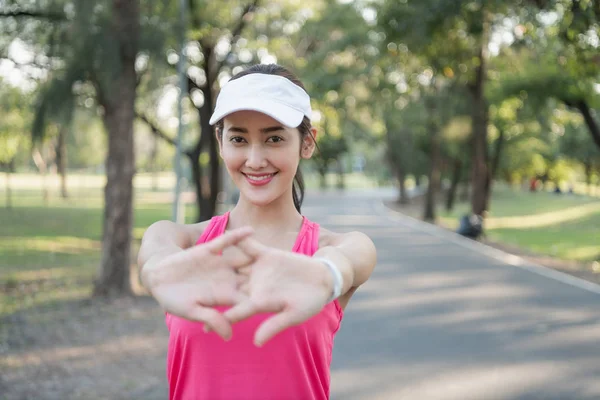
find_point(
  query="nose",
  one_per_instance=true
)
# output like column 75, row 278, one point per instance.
column 256, row 158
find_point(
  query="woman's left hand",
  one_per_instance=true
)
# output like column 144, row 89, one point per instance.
column 293, row 286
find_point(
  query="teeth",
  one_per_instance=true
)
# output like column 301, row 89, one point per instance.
column 259, row 178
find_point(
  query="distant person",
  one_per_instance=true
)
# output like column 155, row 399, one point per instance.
column 253, row 298
column 533, row 183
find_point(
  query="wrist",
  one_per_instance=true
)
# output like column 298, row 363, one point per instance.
column 150, row 274
column 334, row 279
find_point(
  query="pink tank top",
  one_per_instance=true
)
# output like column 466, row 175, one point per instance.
column 294, row 365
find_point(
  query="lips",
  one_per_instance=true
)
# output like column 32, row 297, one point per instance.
column 259, row 180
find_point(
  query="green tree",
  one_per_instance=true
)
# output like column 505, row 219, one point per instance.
column 14, row 124
column 95, row 42
column 452, row 38
column 558, row 57
column 213, row 42
column 576, row 144
column 331, row 143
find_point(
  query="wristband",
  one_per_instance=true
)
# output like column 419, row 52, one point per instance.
column 338, row 280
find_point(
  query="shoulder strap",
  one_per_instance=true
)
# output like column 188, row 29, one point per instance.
column 215, row 228
column 308, row 242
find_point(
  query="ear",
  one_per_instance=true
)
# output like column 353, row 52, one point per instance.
column 308, row 144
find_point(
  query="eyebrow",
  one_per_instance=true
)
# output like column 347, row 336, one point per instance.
column 263, row 130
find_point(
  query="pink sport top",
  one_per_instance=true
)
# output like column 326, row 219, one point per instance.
column 294, row 365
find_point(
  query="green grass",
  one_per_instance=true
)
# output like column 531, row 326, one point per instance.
column 564, row 226
column 510, row 202
column 50, row 249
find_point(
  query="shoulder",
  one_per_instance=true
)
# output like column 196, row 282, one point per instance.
column 196, row 230
column 330, row 238
column 186, row 235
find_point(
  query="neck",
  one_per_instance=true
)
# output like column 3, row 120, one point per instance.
column 280, row 214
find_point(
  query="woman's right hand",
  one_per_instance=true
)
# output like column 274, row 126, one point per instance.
column 190, row 283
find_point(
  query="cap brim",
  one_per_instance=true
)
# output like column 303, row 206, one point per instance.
column 284, row 114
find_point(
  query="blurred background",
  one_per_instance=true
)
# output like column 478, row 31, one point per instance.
column 481, row 109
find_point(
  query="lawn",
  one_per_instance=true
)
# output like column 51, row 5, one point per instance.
column 50, row 250
column 564, row 226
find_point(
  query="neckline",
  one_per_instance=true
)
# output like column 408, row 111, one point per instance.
column 299, row 237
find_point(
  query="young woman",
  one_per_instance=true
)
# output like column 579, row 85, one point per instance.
column 254, row 297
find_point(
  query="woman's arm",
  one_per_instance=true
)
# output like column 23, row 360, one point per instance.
column 355, row 256
column 294, row 286
column 162, row 239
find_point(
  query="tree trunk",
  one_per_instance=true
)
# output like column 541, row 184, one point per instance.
column 588, row 176
column 403, row 198
column 206, row 198
column 42, row 167
column 497, row 155
column 464, row 194
column 197, row 181
column 215, row 170
column 61, row 160
column 434, row 175
column 213, row 144
column 480, row 174
column 9, row 170
column 8, row 192
column 322, row 177
column 456, row 174
column 341, row 183
column 118, row 102
column 590, row 121
column 494, row 168
column 153, row 163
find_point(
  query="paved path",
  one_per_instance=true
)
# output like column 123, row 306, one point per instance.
column 446, row 318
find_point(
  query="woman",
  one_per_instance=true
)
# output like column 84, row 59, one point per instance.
column 254, row 297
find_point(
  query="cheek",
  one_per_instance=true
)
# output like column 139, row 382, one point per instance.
column 287, row 159
column 232, row 157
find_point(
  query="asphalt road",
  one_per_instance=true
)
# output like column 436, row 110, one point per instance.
column 446, row 318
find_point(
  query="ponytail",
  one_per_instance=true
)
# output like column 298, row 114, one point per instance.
column 298, row 189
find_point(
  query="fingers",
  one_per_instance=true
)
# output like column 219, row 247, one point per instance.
column 244, row 271
column 236, row 258
column 213, row 320
column 244, row 288
column 241, row 311
column 244, row 309
column 227, row 239
column 274, row 325
column 251, row 247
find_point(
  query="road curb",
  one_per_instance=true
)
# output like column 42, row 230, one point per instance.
column 511, row 259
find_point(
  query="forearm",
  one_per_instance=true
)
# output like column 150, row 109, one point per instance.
column 161, row 240
column 342, row 263
column 149, row 267
column 355, row 257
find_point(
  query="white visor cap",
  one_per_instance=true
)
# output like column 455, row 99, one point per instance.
column 273, row 95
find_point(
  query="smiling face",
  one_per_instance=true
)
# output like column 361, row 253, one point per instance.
column 262, row 155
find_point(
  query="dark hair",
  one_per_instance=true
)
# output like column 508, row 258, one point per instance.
column 304, row 127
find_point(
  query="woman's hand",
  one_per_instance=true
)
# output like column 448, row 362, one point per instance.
column 190, row 283
column 294, row 286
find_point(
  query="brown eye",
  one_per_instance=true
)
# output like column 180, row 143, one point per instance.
column 236, row 139
column 275, row 139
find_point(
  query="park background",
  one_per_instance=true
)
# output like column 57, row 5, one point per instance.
column 475, row 107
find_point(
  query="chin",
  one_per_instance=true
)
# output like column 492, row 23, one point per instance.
column 260, row 200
